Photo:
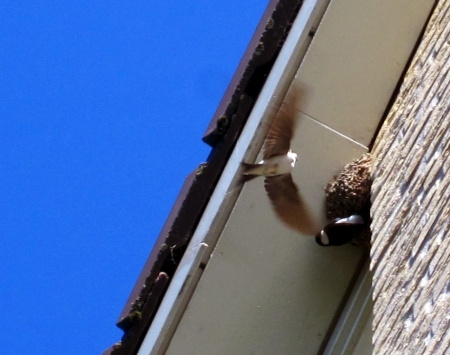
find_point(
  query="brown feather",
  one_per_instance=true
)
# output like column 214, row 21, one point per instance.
column 288, row 205
column 278, row 140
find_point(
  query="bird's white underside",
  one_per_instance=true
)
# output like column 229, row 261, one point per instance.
column 276, row 165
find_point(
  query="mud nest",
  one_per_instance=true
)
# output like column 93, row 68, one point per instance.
column 349, row 192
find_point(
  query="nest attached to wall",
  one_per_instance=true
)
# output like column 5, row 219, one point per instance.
column 349, row 192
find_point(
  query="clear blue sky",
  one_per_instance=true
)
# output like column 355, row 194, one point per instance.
column 102, row 108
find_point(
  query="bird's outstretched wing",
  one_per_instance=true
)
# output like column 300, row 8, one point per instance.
column 288, row 205
column 278, row 140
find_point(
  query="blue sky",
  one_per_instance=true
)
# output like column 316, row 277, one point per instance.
column 102, row 108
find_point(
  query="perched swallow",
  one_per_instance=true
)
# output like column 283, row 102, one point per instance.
column 341, row 231
column 276, row 166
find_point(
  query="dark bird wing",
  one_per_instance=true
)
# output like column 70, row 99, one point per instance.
column 278, row 140
column 288, row 205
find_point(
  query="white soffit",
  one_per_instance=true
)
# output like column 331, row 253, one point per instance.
column 353, row 332
column 265, row 288
column 358, row 55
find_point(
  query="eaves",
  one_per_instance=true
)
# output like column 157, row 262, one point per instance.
column 221, row 135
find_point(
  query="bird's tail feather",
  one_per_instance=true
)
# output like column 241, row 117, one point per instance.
column 251, row 169
column 247, row 172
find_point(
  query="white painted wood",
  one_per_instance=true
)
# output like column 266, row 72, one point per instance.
column 353, row 332
column 364, row 345
column 359, row 50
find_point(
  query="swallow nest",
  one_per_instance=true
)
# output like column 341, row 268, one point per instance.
column 349, row 192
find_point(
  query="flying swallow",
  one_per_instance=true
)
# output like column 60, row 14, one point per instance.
column 276, row 166
column 341, row 231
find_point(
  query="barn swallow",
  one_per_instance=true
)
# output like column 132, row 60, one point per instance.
column 341, row 231
column 276, row 166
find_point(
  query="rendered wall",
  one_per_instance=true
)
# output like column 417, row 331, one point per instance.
column 411, row 205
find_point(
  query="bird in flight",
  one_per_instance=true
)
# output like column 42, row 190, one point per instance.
column 276, row 166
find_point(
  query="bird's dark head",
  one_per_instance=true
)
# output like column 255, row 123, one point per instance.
column 341, row 231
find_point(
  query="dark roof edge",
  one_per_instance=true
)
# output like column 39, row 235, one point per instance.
column 261, row 52
column 222, row 134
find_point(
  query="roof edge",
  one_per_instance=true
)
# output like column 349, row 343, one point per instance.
column 222, row 135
